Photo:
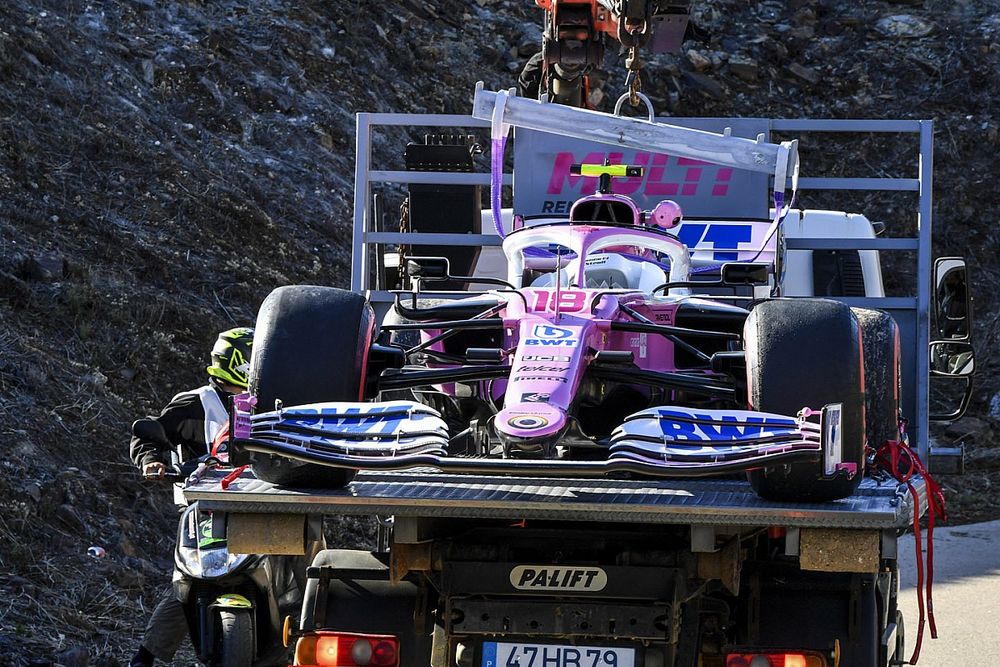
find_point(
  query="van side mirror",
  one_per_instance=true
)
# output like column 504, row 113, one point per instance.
column 952, row 358
column 953, row 364
column 952, row 300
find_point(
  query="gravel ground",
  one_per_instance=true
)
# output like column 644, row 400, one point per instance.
column 164, row 165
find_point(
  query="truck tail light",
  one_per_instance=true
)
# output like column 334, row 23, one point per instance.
column 776, row 659
column 346, row 649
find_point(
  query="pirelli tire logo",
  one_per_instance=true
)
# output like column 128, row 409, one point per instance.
column 561, row 578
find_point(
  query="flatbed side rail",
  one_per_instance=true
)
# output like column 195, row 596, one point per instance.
column 912, row 312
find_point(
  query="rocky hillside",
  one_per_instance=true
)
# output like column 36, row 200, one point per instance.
column 164, row 164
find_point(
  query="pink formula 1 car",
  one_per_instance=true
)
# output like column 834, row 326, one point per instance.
column 599, row 354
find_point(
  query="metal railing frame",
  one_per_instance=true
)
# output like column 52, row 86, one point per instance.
column 365, row 236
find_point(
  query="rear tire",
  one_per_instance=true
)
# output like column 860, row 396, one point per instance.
column 236, row 640
column 310, row 346
column 880, row 335
column 807, row 353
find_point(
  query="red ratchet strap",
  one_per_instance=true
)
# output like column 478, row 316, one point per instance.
column 897, row 459
column 232, row 477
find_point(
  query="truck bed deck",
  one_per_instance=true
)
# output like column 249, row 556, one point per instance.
column 429, row 493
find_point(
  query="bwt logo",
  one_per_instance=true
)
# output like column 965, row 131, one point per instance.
column 731, row 428
column 348, row 421
column 547, row 331
column 660, row 178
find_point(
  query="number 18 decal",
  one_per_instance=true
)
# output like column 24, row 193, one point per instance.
column 570, row 301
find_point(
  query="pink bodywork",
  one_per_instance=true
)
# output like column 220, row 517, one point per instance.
column 553, row 351
column 552, row 335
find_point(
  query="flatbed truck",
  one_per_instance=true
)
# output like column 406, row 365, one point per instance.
column 513, row 571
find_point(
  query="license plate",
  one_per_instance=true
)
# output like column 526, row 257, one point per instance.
column 512, row 654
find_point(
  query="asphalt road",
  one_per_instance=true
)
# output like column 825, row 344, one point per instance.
column 966, row 596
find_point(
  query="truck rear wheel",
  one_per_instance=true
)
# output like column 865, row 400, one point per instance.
column 807, row 353
column 310, row 345
column 880, row 335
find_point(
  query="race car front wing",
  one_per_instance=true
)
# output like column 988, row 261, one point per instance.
column 667, row 441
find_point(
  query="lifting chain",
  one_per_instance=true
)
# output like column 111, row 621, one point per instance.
column 632, row 35
column 404, row 228
column 633, row 81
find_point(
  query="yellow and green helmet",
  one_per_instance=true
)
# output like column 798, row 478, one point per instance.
column 231, row 356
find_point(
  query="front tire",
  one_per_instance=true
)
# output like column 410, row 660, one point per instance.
column 235, row 639
column 310, row 346
column 807, row 353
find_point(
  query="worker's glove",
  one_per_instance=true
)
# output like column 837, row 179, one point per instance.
column 154, row 470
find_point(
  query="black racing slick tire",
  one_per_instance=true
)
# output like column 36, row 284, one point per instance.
column 880, row 335
column 807, row 353
column 310, row 345
column 235, row 640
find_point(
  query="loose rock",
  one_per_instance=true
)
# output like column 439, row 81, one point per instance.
column 699, row 61
column 807, row 74
column 744, row 68
column 904, row 26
